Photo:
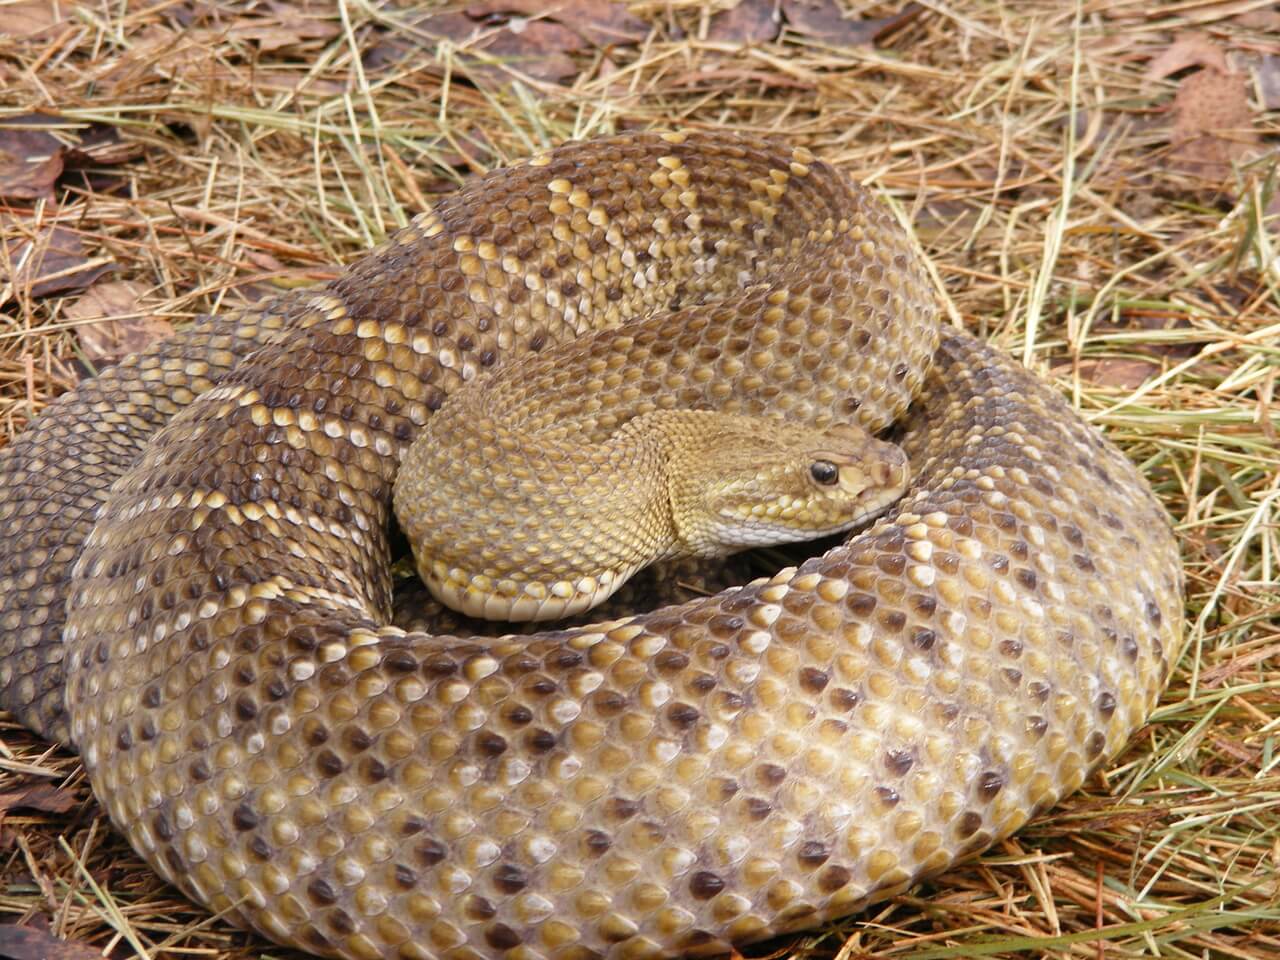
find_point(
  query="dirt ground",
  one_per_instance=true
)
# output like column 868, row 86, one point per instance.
column 1092, row 183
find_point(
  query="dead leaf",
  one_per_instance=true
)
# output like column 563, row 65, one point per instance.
column 1263, row 18
column 156, row 49
column 529, row 37
column 27, row 19
column 228, row 77
column 536, row 48
column 21, row 942
column 1110, row 372
column 286, row 27
column 43, row 796
column 751, row 21
column 1188, row 50
column 1213, row 123
column 1268, row 74
column 1212, row 118
column 453, row 25
column 602, row 22
column 111, row 325
column 825, row 20
column 30, row 161
column 260, row 259
column 100, row 145
column 53, row 263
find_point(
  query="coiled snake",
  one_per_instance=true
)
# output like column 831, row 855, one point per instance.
column 196, row 550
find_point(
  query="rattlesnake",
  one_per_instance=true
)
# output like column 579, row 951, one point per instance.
column 194, row 589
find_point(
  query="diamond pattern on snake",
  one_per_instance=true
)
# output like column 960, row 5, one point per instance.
column 196, row 591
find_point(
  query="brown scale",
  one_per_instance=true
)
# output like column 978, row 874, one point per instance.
column 706, row 774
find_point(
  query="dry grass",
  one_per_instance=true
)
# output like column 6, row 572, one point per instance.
column 1032, row 156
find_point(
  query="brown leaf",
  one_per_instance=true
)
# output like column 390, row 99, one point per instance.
column 449, row 25
column 20, row 942
column 1268, row 74
column 27, row 19
column 824, row 20
column 259, row 258
column 1212, row 119
column 156, row 49
column 1189, row 50
column 43, row 796
column 751, row 21
column 99, row 145
column 30, row 160
column 229, row 77
column 1213, row 123
column 286, row 27
column 120, row 328
column 53, row 263
column 537, row 48
column 1111, row 372
column 1262, row 18
column 602, row 22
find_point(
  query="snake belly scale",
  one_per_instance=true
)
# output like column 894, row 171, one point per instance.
column 195, row 595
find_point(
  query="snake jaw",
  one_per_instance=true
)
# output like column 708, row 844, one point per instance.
column 787, row 483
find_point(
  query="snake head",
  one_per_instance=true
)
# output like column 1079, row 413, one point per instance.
column 748, row 482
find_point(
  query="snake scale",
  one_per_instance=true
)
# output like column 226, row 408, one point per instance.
column 194, row 589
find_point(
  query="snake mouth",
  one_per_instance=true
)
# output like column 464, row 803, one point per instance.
column 789, row 522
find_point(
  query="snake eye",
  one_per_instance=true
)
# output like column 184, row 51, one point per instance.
column 824, row 471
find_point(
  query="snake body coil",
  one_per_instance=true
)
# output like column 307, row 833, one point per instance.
column 194, row 590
